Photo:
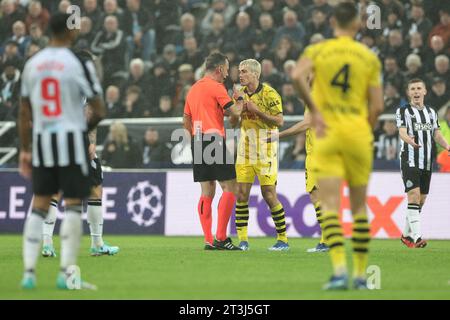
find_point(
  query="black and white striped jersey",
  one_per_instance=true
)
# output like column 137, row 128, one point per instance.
column 56, row 82
column 420, row 124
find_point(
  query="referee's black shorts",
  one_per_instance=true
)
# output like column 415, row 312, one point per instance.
column 415, row 178
column 211, row 158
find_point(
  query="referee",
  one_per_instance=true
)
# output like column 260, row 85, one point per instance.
column 206, row 104
column 418, row 126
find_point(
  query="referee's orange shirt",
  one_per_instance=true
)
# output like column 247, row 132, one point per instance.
column 205, row 104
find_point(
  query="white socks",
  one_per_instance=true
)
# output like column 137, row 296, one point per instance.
column 32, row 236
column 71, row 231
column 49, row 223
column 413, row 219
column 95, row 221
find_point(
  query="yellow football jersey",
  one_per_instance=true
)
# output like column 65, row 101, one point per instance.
column 268, row 101
column 344, row 69
column 309, row 142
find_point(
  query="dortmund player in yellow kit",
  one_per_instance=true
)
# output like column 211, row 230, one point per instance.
column 345, row 102
column 262, row 115
column 310, row 179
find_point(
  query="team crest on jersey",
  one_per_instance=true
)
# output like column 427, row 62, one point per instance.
column 409, row 184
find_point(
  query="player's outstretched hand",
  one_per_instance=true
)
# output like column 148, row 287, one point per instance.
column 414, row 144
column 319, row 124
column 92, row 151
column 237, row 92
column 25, row 164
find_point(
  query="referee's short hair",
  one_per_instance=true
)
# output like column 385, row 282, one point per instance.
column 214, row 60
column 344, row 13
column 58, row 24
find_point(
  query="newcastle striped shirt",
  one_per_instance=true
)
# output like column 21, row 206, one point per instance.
column 56, row 81
column 420, row 124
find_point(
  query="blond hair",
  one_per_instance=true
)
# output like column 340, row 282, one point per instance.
column 253, row 65
column 119, row 133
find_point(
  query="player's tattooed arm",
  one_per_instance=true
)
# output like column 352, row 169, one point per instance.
column 297, row 128
column 97, row 112
column 276, row 120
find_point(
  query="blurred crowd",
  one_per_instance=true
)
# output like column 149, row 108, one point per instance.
column 149, row 52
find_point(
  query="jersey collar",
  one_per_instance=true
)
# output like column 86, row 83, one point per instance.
column 260, row 86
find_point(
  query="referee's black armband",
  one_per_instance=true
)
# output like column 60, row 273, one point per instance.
column 228, row 105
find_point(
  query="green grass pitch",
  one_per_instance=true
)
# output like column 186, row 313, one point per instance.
column 156, row 267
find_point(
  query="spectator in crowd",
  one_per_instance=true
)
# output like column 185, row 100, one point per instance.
column 316, row 38
column 292, row 28
column 416, row 46
column 392, row 73
column 32, row 49
column 134, row 104
column 161, row 84
column 318, row 24
column 413, row 67
column 393, row 22
column 267, row 30
column 112, row 101
column 292, row 105
column 170, row 60
column 138, row 24
column 188, row 29
column 110, row 8
column 86, row 35
column 441, row 68
column 185, row 80
column 37, row 37
column 11, row 54
column 369, row 40
column 63, row 6
column 92, row 10
column 9, row 92
column 392, row 98
column 138, row 77
column 443, row 28
column 285, row 50
column 418, row 22
column 10, row 13
column 439, row 95
column 20, row 36
column 388, row 144
column 437, row 47
column 165, row 108
column 191, row 54
column 288, row 68
column 298, row 8
column 395, row 46
column 319, row 5
column 215, row 38
column 260, row 48
column 37, row 15
column 271, row 8
column 119, row 150
column 109, row 43
column 249, row 8
column 218, row 7
column 270, row 75
column 155, row 153
column 296, row 151
column 244, row 31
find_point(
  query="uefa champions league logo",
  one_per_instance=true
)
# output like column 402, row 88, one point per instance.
column 144, row 203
